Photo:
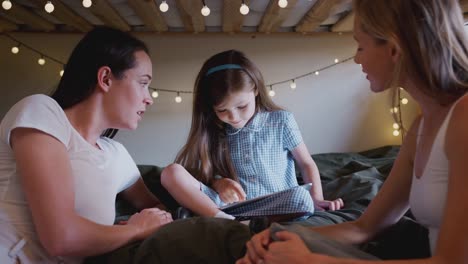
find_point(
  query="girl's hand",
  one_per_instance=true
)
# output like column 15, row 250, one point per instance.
column 322, row 205
column 257, row 248
column 148, row 220
column 229, row 190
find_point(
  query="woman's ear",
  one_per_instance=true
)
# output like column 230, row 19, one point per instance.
column 395, row 51
column 104, row 79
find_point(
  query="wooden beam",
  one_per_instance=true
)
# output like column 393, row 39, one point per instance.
column 68, row 16
column 190, row 13
column 318, row 13
column 149, row 13
column 28, row 17
column 6, row 25
column 345, row 24
column 232, row 18
column 275, row 16
column 464, row 6
column 107, row 13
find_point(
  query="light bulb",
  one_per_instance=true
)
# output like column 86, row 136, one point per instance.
column 6, row 4
column 395, row 109
column 205, row 11
column 178, row 99
column 293, row 85
column 49, row 7
column 244, row 9
column 41, row 61
column 271, row 93
column 317, row 73
column 283, row 3
column 396, row 133
column 61, row 73
column 87, row 3
column 155, row 94
column 15, row 50
column 163, row 7
column 337, row 60
column 396, row 126
column 404, row 101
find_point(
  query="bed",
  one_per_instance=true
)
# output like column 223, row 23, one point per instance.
column 355, row 177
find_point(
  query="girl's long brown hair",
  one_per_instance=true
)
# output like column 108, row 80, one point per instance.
column 206, row 152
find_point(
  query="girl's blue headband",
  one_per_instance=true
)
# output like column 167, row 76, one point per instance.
column 223, row 67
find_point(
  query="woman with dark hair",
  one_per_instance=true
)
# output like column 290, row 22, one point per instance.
column 58, row 176
column 421, row 46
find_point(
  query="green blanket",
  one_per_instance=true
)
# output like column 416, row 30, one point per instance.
column 355, row 177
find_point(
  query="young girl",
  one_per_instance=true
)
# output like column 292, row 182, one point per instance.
column 241, row 145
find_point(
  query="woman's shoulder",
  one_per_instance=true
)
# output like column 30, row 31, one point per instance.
column 36, row 102
column 280, row 115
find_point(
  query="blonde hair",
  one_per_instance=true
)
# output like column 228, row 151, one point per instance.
column 431, row 37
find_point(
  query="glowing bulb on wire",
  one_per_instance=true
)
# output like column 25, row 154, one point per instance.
column 49, row 7
column 404, row 101
column 283, row 3
column 61, row 73
column 87, row 3
column 41, row 61
column 163, row 7
column 205, row 11
column 155, row 94
column 396, row 126
column 178, row 99
column 6, row 4
column 244, row 9
column 396, row 133
column 15, row 50
column 293, row 84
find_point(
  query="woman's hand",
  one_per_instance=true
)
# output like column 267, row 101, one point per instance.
column 229, row 190
column 322, row 205
column 149, row 220
column 257, row 248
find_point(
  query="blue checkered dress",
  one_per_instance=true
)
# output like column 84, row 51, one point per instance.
column 261, row 154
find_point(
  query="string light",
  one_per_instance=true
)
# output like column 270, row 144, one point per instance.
column 337, row 60
column 87, row 3
column 163, row 7
column 41, row 61
column 155, row 94
column 61, row 73
column 404, row 101
column 244, row 9
column 283, row 3
column 6, row 4
column 178, row 99
column 293, row 84
column 317, row 73
column 205, row 11
column 15, row 49
column 271, row 93
column 49, row 7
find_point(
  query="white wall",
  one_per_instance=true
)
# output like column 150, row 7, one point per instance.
column 335, row 110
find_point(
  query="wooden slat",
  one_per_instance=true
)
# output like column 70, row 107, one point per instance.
column 68, row 16
column 345, row 24
column 190, row 13
column 232, row 18
column 107, row 13
column 318, row 13
column 149, row 13
column 275, row 16
column 29, row 18
column 464, row 5
column 6, row 25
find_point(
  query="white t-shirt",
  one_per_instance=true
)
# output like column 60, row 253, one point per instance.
column 99, row 174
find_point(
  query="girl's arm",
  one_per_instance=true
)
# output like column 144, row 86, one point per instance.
column 310, row 174
column 309, row 170
column 46, row 177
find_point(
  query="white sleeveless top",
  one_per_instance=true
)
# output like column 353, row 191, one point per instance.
column 429, row 193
